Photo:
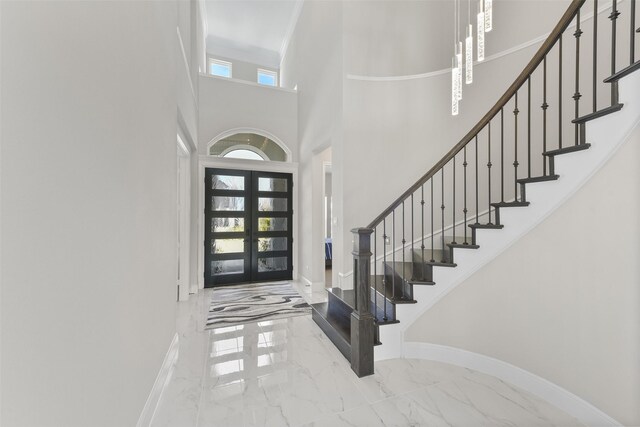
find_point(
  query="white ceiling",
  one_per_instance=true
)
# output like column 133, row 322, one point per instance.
column 255, row 31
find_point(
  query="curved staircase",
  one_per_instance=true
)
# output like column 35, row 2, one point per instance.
column 517, row 165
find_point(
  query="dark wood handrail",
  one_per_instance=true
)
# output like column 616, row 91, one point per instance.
column 537, row 59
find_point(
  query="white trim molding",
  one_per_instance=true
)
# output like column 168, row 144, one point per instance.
column 561, row 398
column 186, row 62
column 290, row 30
column 161, row 383
column 257, row 131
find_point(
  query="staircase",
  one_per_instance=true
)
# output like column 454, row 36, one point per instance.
column 505, row 171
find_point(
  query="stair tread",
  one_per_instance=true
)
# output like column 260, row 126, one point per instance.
column 437, row 254
column 566, row 150
column 599, row 113
column 440, row 257
column 515, row 204
column 624, row 72
column 381, row 322
column 462, row 245
column 542, row 178
column 458, row 239
column 487, row 226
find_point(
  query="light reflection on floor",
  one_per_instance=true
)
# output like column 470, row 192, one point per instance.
column 287, row 373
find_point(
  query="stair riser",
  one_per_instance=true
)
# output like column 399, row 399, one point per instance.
column 332, row 334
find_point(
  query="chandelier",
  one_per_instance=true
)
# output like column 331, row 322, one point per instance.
column 484, row 24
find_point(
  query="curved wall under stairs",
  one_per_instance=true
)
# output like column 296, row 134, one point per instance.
column 553, row 295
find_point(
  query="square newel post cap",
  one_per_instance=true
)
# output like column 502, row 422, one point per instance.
column 361, row 240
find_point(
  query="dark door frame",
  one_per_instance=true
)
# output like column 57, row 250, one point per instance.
column 207, row 161
column 256, row 260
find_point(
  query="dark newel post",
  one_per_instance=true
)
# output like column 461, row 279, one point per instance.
column 362, row 321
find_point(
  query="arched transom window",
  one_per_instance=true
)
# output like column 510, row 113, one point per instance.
column 249, row 146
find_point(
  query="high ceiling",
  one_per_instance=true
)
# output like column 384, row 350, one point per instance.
column 255, row 31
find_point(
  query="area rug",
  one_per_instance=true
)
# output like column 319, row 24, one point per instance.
column 234, row 305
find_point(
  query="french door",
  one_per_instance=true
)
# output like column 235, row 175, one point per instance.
column 248, row 226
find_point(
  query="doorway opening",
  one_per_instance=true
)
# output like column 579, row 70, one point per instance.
column 248, row 226
column 328, row 240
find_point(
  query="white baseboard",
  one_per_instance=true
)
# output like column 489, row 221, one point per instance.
column 162, row 380
column 573, row 405
column 315, row 286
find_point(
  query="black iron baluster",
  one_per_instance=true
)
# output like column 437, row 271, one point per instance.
column 393, row 252
column 595, row 55
column 614, row 19
column 375, row 275
column 560, row 91
column 422, row 206
column 502, row 154
column 454, row 201
column 403, row 243
column 477, row 209
column 577, row 95
column 529, row 127
column 632, row 35
column 432, row 260
column 465, row 195
column 442, row 208
column 544, row 114
column 412, row 233
column 515, row 162
column 489, row 169
column 384, row 264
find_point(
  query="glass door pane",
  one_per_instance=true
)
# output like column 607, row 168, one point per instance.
column 271, row 252
column 227, row 239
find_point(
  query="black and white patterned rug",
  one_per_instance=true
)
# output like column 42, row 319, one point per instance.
column 234, row 305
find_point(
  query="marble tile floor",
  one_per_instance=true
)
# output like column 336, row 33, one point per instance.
column 286, row 372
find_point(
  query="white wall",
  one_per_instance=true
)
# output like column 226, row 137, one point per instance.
column 564, row 301
column 313, row 63
column 88, row 216
column 232, row 104
column 1, row 281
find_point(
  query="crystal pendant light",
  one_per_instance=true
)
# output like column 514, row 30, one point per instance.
column 459, row 66
column 454, row 87
column 488, row 15
column 481, row 23
column 456, row 65
column 469, row 55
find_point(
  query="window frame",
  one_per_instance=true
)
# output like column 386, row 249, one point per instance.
column 220, row 62
column 271, row 73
